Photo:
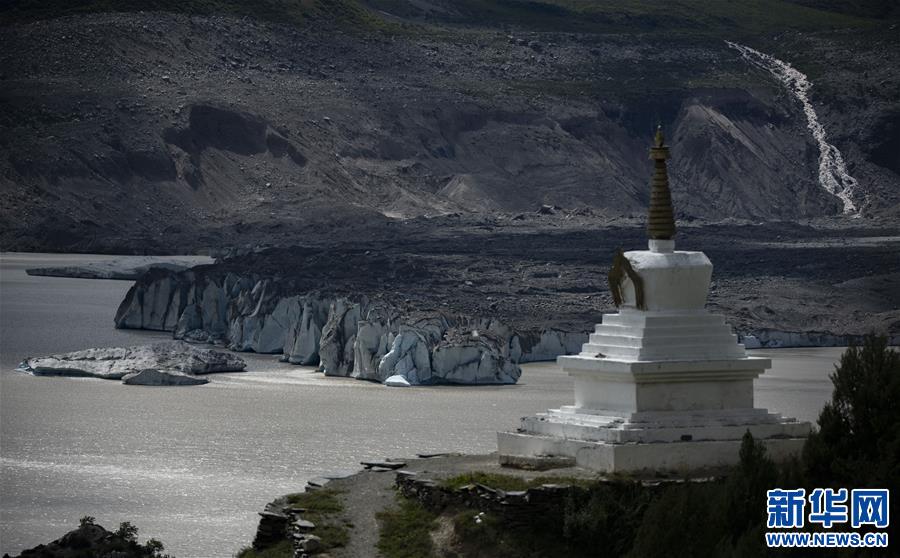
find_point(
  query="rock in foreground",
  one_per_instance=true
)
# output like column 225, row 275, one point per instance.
column 90, row 539
column 397, row 381
column 154, row 377
column 170, row 363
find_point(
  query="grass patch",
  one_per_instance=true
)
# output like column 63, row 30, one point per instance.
column 318, row 501
column 280, row 550
column 406, row 530
column 333, row 535
column 321, row 507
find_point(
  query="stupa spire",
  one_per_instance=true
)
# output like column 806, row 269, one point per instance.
column 660, row 217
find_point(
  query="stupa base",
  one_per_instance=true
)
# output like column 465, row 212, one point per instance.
column 648, row 442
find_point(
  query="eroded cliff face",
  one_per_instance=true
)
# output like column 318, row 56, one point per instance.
column 157, row 132
column 471, row 307
column 345, row 336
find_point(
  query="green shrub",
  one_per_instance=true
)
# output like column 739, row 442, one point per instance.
column 325, row 501
column 746, row 488
column 684, row 520
column 858, row 442
column 607, row 515
column 722, row 518
column 484, row 535
column 127, row 531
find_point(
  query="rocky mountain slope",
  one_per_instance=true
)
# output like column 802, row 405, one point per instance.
column 165, row 132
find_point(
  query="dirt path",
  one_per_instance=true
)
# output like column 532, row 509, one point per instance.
column 368, row 492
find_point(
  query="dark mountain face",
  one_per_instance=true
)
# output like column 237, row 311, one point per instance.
column 164, row 132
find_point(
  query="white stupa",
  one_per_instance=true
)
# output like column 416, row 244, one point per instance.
column 662, row 384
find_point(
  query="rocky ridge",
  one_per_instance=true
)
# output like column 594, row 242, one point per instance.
column 131, row 268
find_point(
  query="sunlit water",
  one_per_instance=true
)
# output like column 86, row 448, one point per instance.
column 191, row 466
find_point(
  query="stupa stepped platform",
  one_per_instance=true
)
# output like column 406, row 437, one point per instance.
column 683, row 457
column 656, row 410
column 657, row 427
column 660, row 336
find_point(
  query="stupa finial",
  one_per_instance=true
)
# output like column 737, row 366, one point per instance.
column 659, row 138
column 661, row 218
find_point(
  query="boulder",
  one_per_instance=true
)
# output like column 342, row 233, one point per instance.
column 116, row 362
column 397, row 381
column 154, row 377
column 310, row 544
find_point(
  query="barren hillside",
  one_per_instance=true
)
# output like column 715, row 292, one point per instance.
column 158, row 131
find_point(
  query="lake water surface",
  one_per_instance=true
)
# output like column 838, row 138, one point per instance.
column 191, row 466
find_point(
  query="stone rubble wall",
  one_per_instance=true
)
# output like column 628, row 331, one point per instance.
column 281, row 521
column 350, row 337
column 516, row 508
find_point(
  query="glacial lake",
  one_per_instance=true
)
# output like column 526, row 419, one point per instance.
column 192, row 466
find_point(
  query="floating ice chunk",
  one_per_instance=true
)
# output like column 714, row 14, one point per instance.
column 397, row 381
